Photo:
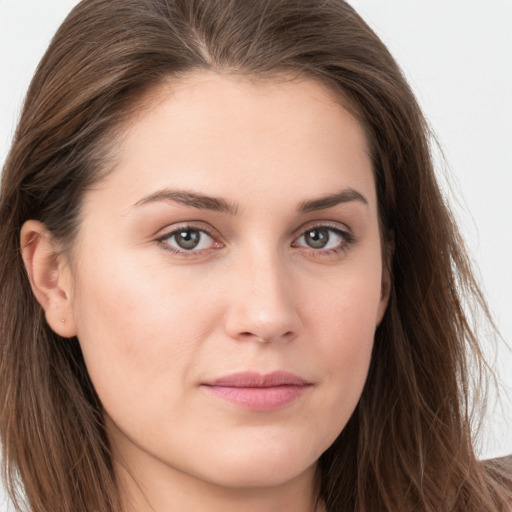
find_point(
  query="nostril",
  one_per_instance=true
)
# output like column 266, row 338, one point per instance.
column 249, row 336
column 288, row 336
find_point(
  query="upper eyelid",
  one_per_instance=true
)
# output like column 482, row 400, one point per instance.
column 333, row 225
column 183, row 226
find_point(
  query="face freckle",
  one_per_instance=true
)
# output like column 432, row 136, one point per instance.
column 169, row 332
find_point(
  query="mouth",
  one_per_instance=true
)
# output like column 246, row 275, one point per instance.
column 258, row 392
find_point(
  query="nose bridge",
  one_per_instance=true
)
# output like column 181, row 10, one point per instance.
column 262, row 304
column 266, row 281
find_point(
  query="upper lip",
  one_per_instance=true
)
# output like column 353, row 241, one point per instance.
column 258, row 380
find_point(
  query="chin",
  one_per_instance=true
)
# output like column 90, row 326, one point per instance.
column 261, row 467
column 261, row 477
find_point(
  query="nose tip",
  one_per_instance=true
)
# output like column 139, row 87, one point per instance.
column 262, row 307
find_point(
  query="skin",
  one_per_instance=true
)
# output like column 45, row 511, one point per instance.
column 155, row 325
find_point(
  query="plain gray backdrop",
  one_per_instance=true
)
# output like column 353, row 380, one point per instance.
column 457, row 55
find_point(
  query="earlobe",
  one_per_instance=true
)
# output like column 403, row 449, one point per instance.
column 386, row 282
column 385, row 294
column 49, row 278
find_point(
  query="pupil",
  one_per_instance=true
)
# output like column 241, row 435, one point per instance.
column 317, row 238
column 187, row 239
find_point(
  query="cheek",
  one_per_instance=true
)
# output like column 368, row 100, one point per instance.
column 345, row 320
column 138, row 326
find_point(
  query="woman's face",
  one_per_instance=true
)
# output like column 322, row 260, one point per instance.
column 227, row 281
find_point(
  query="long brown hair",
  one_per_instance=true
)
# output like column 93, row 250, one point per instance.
column 408, row 445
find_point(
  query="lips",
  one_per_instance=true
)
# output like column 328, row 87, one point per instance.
column 258, row 392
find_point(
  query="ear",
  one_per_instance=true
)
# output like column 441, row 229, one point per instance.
column 49, row 277
column 387, row 279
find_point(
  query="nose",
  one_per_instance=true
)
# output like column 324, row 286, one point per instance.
column 261, row 301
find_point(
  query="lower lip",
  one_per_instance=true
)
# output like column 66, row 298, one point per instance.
column 259, row 399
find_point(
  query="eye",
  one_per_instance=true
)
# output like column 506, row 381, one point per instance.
column 323, row 238
column 188, row 239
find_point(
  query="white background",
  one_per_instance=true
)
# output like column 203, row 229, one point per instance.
column 457, row 55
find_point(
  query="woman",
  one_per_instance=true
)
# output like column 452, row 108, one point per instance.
column 230, row 279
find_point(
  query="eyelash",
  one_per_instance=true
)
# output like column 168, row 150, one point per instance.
column 163, row 241
column 348, row 240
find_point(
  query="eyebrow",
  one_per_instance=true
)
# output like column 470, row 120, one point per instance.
column 323, row 203
column 217, row 204
column 189, row 198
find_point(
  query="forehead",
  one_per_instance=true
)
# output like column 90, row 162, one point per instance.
column 226, row 134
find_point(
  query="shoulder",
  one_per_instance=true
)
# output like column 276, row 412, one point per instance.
column 500, row 470
column 502, row 466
